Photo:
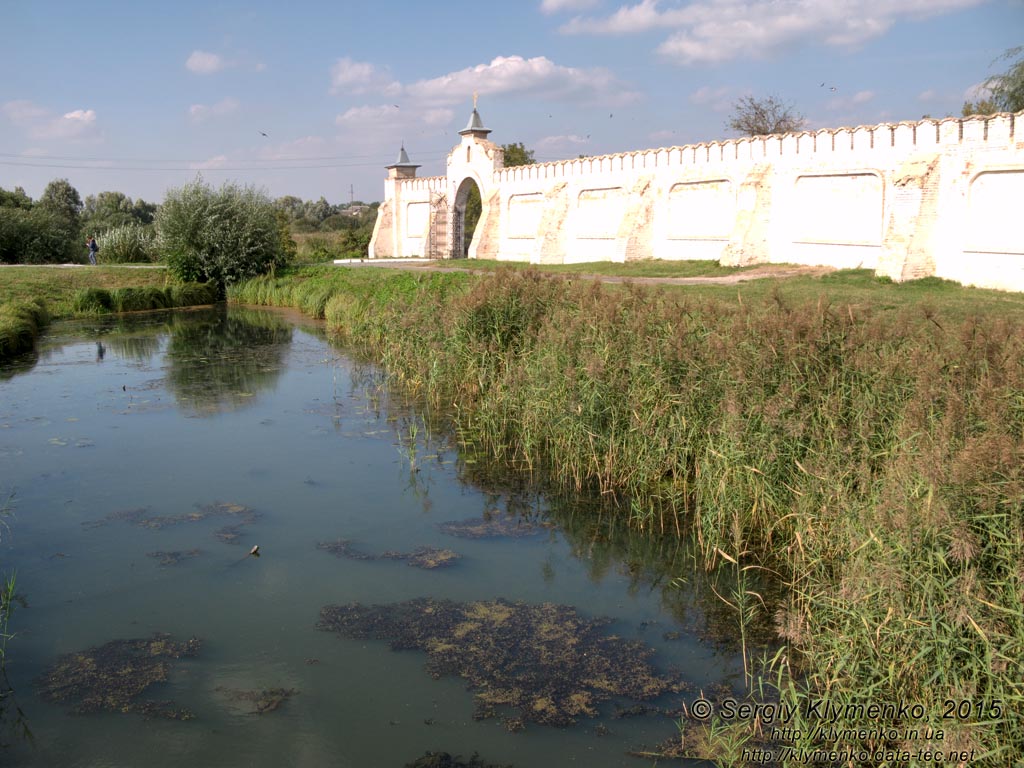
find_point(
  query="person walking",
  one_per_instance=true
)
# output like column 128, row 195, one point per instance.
column 93, row 248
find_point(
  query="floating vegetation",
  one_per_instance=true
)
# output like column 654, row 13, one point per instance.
column 112, row 676
column 445, row 760
column 140, row 516
column 545, row 661
column 174, row 557
column 259, row 702
column 492, row 527
column 427, row 558
column 343, row 548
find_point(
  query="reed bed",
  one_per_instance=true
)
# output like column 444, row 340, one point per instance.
column 871, row 457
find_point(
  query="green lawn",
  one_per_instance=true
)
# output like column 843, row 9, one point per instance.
column 57, row 285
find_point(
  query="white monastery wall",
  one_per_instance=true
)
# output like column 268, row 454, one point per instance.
column 907, row 200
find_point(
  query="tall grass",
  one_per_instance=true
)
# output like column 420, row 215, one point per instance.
column 873, row 457
column 138, row 299
column 127, row 244
column 20, row 323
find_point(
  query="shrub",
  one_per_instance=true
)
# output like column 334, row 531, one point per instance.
column 138, row 299
column 20, row 322
column 127, row 244
column 36, row 236
column 219, row 236
column 92, row 300
column 192, row 294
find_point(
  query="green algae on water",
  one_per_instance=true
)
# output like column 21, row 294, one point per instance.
column 427, row 558
column 445, row 760
column 492, row 527
column 259, row 702
column 112, row 677
column 545, row 662
column 140, row 517
column 175, row 556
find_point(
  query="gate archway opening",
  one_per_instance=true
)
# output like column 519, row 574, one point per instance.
column 465, row 216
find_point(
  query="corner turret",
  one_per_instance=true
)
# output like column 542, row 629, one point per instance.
column 403, row 168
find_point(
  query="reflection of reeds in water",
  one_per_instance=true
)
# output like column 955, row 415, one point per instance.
column 138, row 348
column 870, row 453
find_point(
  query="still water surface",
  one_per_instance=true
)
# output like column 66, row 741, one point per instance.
column 169, row 412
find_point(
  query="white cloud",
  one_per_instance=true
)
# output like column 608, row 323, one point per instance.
column 719, row 30
column 845, row 102
column 361, row 115
column 348, row 76
column 667, row 134
column 204, row 63
column 39, row 123
column 553, row 143
column 218, row 161
column 629, row 19
column 977, row 92
column 438, row 116
column 554, row 6
column 716, row 99
column 539, row 77
column 202, row 112
column 22, row 112
column 297, row 149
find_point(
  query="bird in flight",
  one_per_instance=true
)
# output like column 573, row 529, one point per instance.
column 263, row 134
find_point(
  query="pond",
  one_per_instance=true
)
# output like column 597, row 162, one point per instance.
column 405, row 597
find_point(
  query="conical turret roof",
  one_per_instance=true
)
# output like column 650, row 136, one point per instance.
column 403, row 160
column 475, row 126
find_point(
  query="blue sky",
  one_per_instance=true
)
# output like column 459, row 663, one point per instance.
column 139, row 97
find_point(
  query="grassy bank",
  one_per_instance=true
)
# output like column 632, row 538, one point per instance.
column 58, row 286
column 31, row 296
column 862, row 440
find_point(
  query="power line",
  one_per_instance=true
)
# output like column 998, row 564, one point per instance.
column 185, row 168
column 82, row 159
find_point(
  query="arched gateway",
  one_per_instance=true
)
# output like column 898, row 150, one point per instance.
column 930, row 197
column 427, row 216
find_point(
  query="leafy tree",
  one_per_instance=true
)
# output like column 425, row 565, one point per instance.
column 319, row 210
column 760, row 117
column 59, row 209
column 219, row 236
column 517, row 154
column 144, row 212
column 288, row 246
column 294, row 207
column 15, row 199
column 106, row 211
column 1005, row 91
column 35, row 236
column 63, row 200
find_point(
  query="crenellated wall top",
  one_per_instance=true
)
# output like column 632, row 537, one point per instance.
column 928, row 133
column 923, row 133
